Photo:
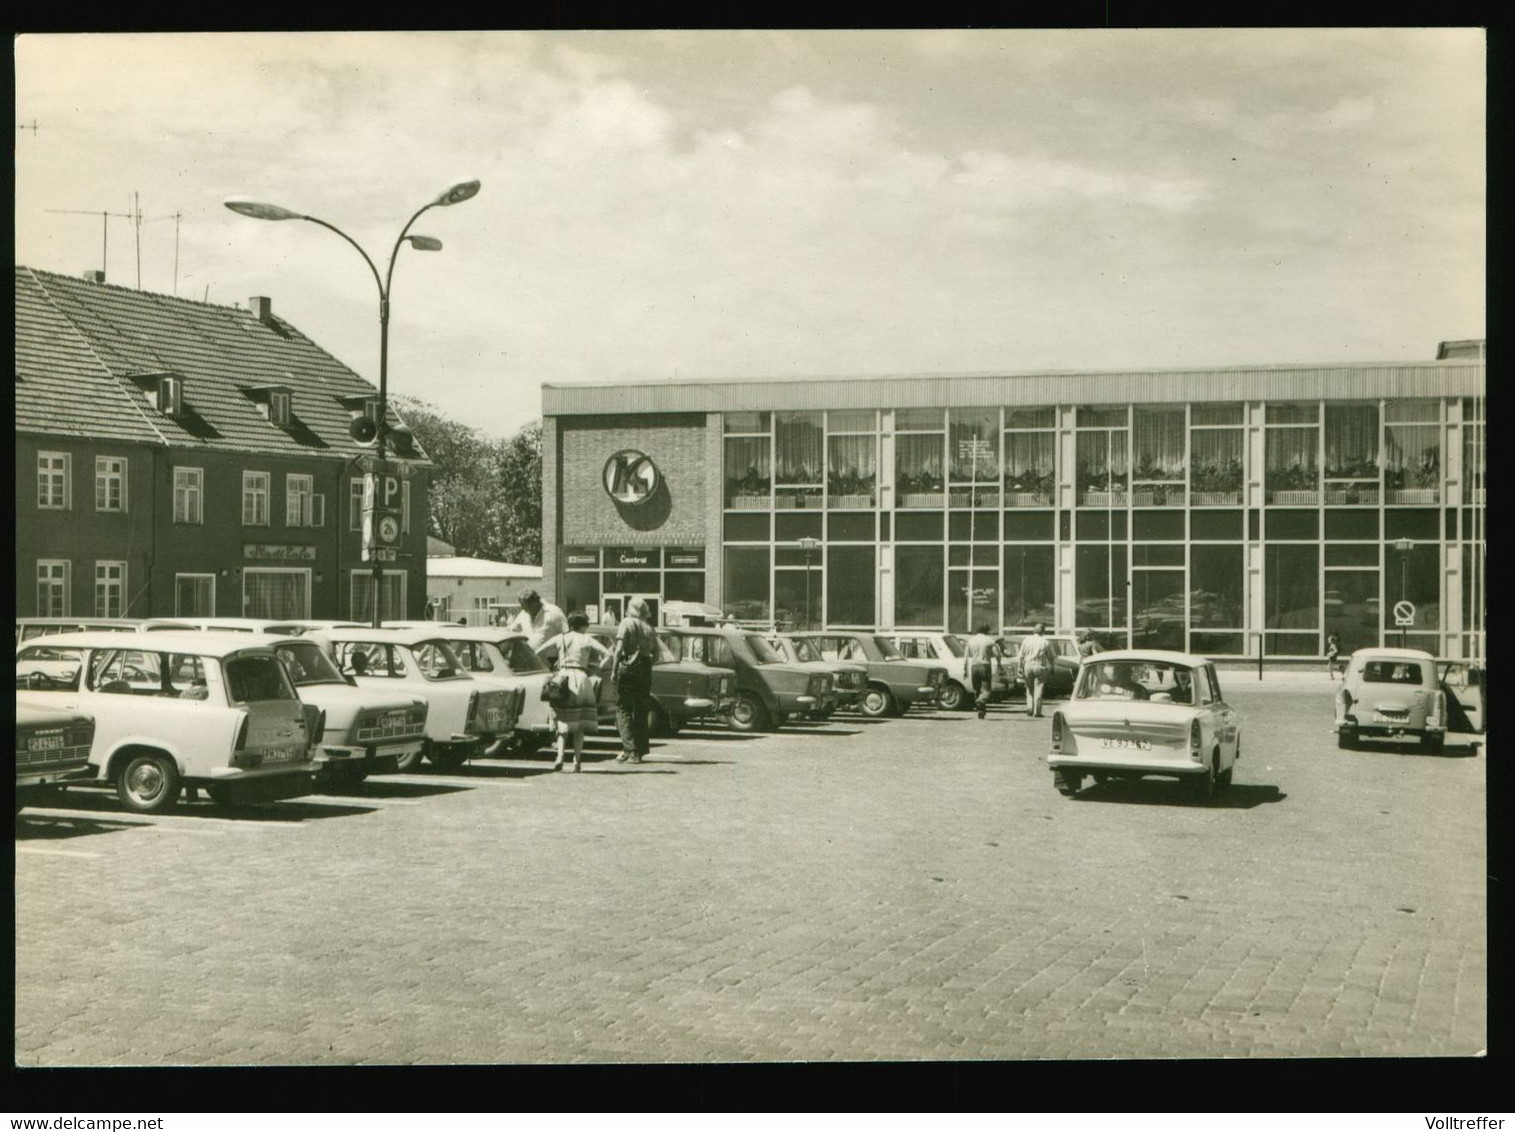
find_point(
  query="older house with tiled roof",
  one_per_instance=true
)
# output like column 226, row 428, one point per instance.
column 176, row 458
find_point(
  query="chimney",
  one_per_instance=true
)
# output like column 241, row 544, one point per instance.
column 94, row 277
column 263, row 307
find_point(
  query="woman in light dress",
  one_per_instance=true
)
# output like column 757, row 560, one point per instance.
column 579, row 657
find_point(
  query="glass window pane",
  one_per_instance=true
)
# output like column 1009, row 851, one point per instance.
column 918, row 586
column 851, row 420
column 1215, row 596
column 797, row 452
column 1352, row 442
column 1293, row 473
column 1291, row 644
column 1414, row 524
column 918, row 528
column 1413, row 575
column 1101, row 466
column 1292, row 584
column 1351, row 608
column 1157, row 609
column 1157, row 554
column 1091, row 571
column 851, row 470
column 745, row 582
column 1159, row 444
column 916, row 419
column 1293, row 525
column 973, row 445
column 747, row 528
column 1351, row 554
column 919, row 478
column 972, row 600
column 1101, row 416
column 1217, row 644
column 684, row 585
column 851, row 572
column 579, row 591
column 1158, row 525
column 1215, row 525
column 797, row 597
column 1030, row 579
column 1030, row 468
column 1351, row 524
column 850, row 527
column 1307, row 412
column 1216, row 414
column 1030, row 418
column 1028, row 526
column 1425, row 410
column 745, row 422
column 1217, row 475
column 748, row 474
column 1412, row 463
column 787, row 528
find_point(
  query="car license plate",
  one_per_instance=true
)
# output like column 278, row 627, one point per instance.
column 1127, row 744
column 1390, row 717
column 494, row 717
column 282, row 754
column 44, row 743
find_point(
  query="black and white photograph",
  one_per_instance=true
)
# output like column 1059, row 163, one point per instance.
column 719, row 547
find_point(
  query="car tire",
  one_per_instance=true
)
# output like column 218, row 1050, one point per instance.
column 148, row 784
column 748, row 714
column 1346, row 740
column 1067, row 782
column 1202, row 786
column 447, row 756
column 954, row 697
column 1223, row 779
column 413, row 760
column 658, row 722
column 1432, row 743
column 876, row 702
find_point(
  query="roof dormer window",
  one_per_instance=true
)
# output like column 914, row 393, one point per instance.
column 279, row 402
column 371, row 409
column 171, row 395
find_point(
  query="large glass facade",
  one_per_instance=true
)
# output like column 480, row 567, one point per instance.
column 1412, row 452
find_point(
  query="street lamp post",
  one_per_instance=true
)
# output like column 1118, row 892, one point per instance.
column 1404, row 546
column 456, row 194
column 809, row 546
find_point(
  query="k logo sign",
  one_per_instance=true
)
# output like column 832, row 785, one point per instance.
column 630, row 477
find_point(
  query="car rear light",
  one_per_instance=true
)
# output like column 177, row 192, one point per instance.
column 1437, row 711
column 1057, row 732
column 242, row 735
column 1194, row 742
column 320, row 732
column 473, row 709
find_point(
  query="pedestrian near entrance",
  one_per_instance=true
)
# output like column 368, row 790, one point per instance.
column 539, row 620
column 579, row 657
column 1087, row 645
column 1333, row 652
column 984, row 660
column 636, row 647
column 1036, row 665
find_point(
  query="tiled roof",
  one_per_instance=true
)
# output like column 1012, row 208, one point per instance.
column 79, row 343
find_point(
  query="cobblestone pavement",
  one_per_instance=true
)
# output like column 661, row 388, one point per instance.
column 896, row 889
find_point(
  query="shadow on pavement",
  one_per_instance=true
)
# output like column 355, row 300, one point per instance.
column 387, row 788
column 720, row 736
column 1464, row 747
column 478, row 770
column 288, row 810
column 48, row 828
column 815, row 732
column 1164, row 792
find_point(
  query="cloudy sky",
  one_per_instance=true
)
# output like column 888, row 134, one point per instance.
column 727, row 204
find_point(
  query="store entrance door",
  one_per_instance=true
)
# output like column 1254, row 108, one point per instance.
column 614, row 606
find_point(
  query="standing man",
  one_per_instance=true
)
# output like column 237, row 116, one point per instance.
column 1036, row 665
column 984, row 660
column 636, row 648
column 540, row 620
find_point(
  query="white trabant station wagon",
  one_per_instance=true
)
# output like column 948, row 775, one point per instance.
column 1140, row 712
column 178, row 708
column 463, row 716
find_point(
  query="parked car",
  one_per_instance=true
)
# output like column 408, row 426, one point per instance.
column 683, row 688
column 1466, row 684
column 177, row 709
column 894, row 683
column 271, row 626
column 1142, row 712
column 848, row 679
column 28, row 628
column 497, row 656
column 52, row 746
column 769, row 689
column 950, row 650
column 464, row 716
column 1391, row 694
column 1064, row 664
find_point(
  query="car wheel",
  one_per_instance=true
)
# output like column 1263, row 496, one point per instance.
column 877, row 703
column 954, row 697
column 1432, row 743
column 148, row 784
column 413, row 760
column 1223, row 779
column 1346, row 740
column 749, row 714
column 658, row 722
column 1068, row 782
column 446, row 756
column 1202, row 786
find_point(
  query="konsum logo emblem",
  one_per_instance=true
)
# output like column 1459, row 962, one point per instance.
column 630, row 477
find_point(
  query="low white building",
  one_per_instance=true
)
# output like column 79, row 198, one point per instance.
column 471, row 589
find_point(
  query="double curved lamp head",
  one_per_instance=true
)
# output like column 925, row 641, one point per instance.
column 261, row 210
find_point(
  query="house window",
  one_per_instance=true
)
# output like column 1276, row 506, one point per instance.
column 194, row 595
column 52, row 480
column 276, row 593
column 392, row 601
column 189, row 495
column 110, row 483
column 255, row 489
column 278, row 406
column 52, row 587
column 171, row 396
column 302, row 506
column 371, row 409
column 110, row 589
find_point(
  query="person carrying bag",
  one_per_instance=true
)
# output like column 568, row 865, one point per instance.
column 636, row 647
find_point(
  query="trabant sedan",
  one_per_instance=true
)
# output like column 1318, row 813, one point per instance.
column 498, row 657
column 768, row 688
column 1141, row 712
column 464, row 716
column 951, row 650
column 52, row 746
column 178, row 709
column 683, row 689
column 28, row 628
column 848, row 679
column 894, row 683
column 271, row 626
column 1391, row 694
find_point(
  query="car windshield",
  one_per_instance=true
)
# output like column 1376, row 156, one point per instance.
column 668, row 650
column 250, row 679
column 762, row 650
column 888, row 650
column 520, row 657
column 1136, row 680
column 307, row 664
column 804, row 649
column 1391, row 672
column 473, row 656
column 954, row 645
column 45, row 668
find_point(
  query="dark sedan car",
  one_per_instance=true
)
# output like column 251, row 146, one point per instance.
column 682, row 688
column 894, row 683
column 769, row 689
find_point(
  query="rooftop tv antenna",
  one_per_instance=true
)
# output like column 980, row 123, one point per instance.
column 136, row 217
column 104, row 229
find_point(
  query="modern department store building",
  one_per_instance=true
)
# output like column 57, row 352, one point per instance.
column 1214, row 510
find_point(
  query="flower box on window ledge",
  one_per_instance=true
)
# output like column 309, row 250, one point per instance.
column 851, row 501
column 1297, row 498
column 1158, row 497
column 748, row 503
column 1412, row 495
column 1354, row 495
column 921, row 499
column 983, row 497
column 1103, row 498
column 961, row 498
column 1028, row 499
column 1215, row 498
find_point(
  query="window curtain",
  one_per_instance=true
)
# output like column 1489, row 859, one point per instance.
column 852, row 464
column 1029, row 454
column 799, row 448
column 276, row 595
column 1412, row 454
column 392, row 604
column 1352, row 441
column 1101, row 459
column 919, row 460
column 973, row 441
column 1291, row 448
column 747, row 464
column 1159, row 444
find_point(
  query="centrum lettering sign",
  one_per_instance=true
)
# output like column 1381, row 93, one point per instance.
column 630, row 477
column 272, row 552
column 633, row 558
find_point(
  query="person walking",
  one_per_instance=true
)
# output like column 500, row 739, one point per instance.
column 1036, row 665
column 539, row 620
column 636, row 647
column 1087, row 645
column 579, row 657
column 984, row 658
column 1333, row 651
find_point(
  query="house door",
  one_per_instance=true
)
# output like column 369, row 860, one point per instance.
column 614, row 606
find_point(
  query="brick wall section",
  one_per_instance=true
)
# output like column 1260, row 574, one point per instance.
column 677, row 444
column 552, row 525
column 715, row 505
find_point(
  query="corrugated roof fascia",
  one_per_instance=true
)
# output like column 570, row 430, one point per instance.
column 1343, row 381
